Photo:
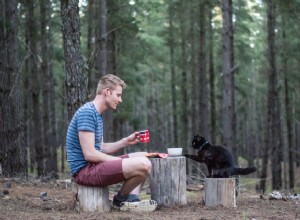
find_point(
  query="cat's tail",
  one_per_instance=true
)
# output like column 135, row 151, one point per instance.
column 243, row 171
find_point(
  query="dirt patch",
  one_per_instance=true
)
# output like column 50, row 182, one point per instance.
column 23, row 201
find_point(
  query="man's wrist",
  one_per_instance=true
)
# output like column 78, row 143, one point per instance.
column 125, row 141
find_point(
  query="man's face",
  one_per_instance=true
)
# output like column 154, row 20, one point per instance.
column 114, row 97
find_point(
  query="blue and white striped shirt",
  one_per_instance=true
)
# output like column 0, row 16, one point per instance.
column 86, row 118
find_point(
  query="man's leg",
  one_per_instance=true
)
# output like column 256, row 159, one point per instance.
column 136, row 169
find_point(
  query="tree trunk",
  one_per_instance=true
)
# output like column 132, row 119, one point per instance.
column 101, row 64
column 12, row 151
column 76, row 80
column 203, row 88
column 111, row 59
column 90, row 45
column 102, row 38
column 213, row 114
column 46, row 84
column 228, row 109
column 193, row 119
column 35, row 89
column 272, row 138
column 220, row 192
column 288, row 111
column 297, row 142
column 173, row 76
column 27, row 102
column 111, row 40
column 184, row 95
column 53, row 103
column 194, row 75
column 274, row 133
column 168, row 180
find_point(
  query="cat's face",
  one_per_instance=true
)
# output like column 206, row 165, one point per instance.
column 198, row 142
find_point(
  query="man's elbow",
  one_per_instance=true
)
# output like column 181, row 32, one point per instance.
column 89, row 156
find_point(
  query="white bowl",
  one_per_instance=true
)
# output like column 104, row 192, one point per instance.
column 175, row 151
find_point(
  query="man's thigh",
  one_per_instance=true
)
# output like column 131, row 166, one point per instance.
column 101, row 174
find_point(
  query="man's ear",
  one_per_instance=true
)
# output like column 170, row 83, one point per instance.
column 106, row 91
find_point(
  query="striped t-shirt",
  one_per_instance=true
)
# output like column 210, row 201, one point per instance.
column 86, row 118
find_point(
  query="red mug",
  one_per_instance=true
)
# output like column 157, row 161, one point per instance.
column 144, row 136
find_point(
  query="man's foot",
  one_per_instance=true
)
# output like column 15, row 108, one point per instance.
column 133, row 203
column 118, row 199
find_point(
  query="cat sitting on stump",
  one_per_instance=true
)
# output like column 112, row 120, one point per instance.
column 218, row 159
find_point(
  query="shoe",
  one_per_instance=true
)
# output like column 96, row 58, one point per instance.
column 141, row 206
column 118, row 199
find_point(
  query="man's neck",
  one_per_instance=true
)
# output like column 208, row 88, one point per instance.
column 99, row 104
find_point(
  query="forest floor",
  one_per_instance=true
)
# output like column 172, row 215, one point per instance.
column 22, row 201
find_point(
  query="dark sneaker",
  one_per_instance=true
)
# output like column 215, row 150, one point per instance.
column 118, row 200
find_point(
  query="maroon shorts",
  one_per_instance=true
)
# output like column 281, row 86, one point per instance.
column 101, row 174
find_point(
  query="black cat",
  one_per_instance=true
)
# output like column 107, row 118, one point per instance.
column 218, row 159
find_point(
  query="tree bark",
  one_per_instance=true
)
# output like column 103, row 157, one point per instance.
column 52, row 101
column 194, row 75
column 76, row 80
column 274, row 134
column 193, row 119
column 168, row 180
column 102, row 38
column 288, row 110
column 228, row 109
column 213, row 114
column 220, row 192
column 184, row 81
column 173, row 76
column 12, row 151
column 91, row 198
column 203, row 88
column 101, row 64
column 90, row 45
column 45, row 89
column 35, row 89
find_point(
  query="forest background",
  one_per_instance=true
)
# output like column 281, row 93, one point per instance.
column 227, row 70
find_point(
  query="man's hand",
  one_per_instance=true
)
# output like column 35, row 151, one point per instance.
column 133, row 138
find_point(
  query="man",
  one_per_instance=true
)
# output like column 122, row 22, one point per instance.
column 90, row 158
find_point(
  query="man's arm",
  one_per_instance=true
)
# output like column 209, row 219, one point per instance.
column 110, row 148
column 87, row 142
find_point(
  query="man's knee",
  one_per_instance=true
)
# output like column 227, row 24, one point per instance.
column 140, row 166
column 145, row 165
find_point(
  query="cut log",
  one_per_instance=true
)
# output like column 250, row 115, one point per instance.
column 168, row 180
column 220, row 191
column 91, row 198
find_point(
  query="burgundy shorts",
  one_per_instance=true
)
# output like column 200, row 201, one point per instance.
column 101, row 174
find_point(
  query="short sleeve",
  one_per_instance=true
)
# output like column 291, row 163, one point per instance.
column 86, row 121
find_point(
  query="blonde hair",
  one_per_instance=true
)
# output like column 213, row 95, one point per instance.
column 109, row 81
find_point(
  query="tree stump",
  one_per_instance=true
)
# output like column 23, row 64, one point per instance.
column 91, row 198
column 220, row 191
column 168, row 180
